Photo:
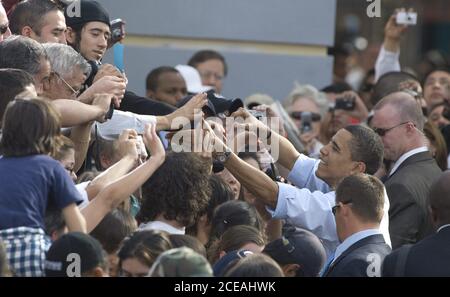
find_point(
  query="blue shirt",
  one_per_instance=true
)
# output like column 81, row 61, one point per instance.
column 28, row 186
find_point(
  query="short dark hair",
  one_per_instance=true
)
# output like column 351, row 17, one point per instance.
column 366, row 193
column 366, row 146
column 249, row 155
column 179, row 189
column 40, row 133
column 390, row 83
column 113, row 229
column 30, row 13
column 206, row 55
column 234, row 239
column 439, row 199
column 151, row 82
column 145, row 246
column 232, row 213
column 436, row 69
column 256, row 265
column 337, row 88
column 12, row 83
column 180, row 240
column 21, row 52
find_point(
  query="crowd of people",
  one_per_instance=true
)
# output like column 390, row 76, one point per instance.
column 94, row 180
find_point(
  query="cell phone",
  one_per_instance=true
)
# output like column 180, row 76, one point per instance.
column 406, row 18
column 117, row 30
column 345, row 103
column 306, row 120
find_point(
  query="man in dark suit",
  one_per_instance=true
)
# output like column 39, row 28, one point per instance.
column 431, row 256
column 358, row 212
column 399, row 121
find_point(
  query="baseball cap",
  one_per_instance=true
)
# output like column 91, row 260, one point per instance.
column 181, row 262
column 298, row 246
column 192, row 79
column 88, row 249
column 230, row 258
column 90, row 11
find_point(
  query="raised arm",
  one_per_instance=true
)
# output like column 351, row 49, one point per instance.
column 121, row 189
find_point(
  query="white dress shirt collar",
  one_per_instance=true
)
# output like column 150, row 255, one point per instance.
column 406, row 156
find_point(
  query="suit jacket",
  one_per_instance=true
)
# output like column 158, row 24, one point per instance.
column 429, row 257
column 408, row 188
column 356, row 259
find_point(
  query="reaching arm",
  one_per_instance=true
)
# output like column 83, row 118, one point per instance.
column 128, row 160
column 287, row 152
column 75, row 221
column 122, row 188
column 80, row 135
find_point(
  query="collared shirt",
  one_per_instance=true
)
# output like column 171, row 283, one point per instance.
column 352, row 239
column 386, row 62
column 406, row 156
column 309, row 205
column 442, row 227
column 162, row 226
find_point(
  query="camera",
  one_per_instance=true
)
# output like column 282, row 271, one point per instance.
column 306, row 120
column 257, row 114
column 345, row 103
column 117, row 30
column 406, row 18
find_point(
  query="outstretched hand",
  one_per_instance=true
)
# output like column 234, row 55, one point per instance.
column 153, row 143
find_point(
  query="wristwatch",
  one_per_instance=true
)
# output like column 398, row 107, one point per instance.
column 222, row 157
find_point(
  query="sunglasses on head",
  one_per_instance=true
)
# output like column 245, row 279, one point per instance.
column 315, row 117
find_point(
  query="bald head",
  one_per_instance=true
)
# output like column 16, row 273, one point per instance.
column 405, row 106
column 439, row 200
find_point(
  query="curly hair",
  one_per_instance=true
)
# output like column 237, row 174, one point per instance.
column 179, row 189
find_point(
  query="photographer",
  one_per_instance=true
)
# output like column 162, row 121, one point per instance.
column 346, row 108
column 306, row 107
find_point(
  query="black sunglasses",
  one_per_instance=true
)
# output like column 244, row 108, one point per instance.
column 334, row 208
column 3, row 29
column 383, row 131
column 315, row 117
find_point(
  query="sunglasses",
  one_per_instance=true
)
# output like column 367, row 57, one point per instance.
column 334, row 208
column 315, row 117
column 383, row 131
column 4, row 28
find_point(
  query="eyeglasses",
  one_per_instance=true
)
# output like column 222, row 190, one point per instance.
column 382, row 131
column 315, row 117
column 74, row 92
column 3, row 29
column 334, row 208
column 207, row 75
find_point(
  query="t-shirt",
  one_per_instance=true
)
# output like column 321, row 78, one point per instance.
column 28, row 186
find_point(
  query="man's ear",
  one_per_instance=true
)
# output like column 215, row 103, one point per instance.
column 290, row 270
column 359, row 167
column 70, row 35
column 151, row 94
column 28, row 32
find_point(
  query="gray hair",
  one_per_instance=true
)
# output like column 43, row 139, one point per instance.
column 64, row 58
column 310, row 93
column 23, row 53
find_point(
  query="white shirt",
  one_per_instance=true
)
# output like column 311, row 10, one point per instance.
column 386, row 62
column 309, row 205
column 406, row 156
column 162, row 226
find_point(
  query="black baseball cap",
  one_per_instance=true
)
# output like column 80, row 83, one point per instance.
column 84, row 247
column 298, row 246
